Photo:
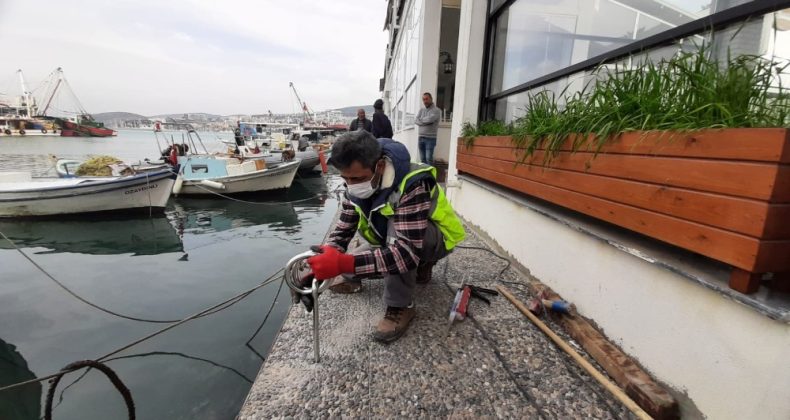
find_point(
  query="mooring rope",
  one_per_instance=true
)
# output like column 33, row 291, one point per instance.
column 93, row 305
column 111, row 375
column 204, row 312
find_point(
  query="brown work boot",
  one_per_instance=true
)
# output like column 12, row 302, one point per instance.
column 424, row 271
column 394, row 324
column 343, row 287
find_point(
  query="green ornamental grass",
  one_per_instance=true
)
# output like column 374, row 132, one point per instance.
column 690, row 91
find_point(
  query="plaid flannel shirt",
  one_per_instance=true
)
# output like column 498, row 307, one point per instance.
column 410, row 223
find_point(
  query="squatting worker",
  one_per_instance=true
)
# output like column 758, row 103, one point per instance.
column 404, row 218
column 428, row 121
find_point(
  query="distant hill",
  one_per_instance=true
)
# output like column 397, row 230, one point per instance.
column 351, row 111
column 192, row 115
column 110, row 117
column 106, row 117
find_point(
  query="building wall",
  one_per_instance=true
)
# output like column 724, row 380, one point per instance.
column 727, row 358
column 414, row 71
column 469, row 64
column 731, row 361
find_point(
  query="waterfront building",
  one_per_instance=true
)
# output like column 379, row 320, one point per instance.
column 715, row 333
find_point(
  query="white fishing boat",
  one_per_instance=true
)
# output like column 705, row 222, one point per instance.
column 67, row 168
column 19, row 115
column 201, row 174
column 204, row 173
column 24, row 196
column 270, row 141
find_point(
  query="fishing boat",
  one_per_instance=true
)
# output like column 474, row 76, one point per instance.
column 21, row 195
column 67, row 168
column 84, row 126
column 272, row 141
column 73, row 124
column 206, row 174
column 18, row 115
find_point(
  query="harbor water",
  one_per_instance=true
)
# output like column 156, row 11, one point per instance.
column 199, row 253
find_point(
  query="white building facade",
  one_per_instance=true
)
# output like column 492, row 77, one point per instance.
column 724, row 354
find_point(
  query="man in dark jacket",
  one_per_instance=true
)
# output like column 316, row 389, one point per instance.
column 361, row 123
column 382, row 128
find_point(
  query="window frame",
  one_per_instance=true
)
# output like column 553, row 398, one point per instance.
column 734, row 14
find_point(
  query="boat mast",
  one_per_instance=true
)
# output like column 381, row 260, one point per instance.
column 25, row 93
column 58, row 74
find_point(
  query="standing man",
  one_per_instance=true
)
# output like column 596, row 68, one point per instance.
column 361, row 123
column 428, row 121
column 382, row 128
column 406, row 222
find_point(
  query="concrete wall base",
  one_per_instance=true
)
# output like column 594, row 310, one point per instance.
column 729, row 359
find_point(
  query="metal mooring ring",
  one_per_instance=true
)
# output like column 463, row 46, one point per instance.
column 292, row 275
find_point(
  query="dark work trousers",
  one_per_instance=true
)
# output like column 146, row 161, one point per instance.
column 399, row 288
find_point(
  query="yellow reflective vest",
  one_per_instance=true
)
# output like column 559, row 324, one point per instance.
column 441, row 213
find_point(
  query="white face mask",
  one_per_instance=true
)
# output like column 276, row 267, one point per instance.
column 362, row 190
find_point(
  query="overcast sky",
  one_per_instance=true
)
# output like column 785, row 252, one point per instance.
column 224, row 57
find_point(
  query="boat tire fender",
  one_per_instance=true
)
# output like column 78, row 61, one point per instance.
column 21, row 131
column 7, row 131
column 43, row 131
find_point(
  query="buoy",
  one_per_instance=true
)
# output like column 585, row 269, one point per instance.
column 177, row 185
column 213, row 184
column 322, row 159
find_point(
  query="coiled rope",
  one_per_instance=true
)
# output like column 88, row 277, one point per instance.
column 111, row 375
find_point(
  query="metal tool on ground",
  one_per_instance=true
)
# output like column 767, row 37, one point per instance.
column 458, row 311
column 294, row 279
column 538, row 306
column 615, row 390
column 478, row 292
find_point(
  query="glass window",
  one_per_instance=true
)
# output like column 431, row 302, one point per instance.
column 533, row 38
column 758, row 36
column 403, row 69
column 411, row 100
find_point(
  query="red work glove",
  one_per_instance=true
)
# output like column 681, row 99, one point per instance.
column 330, row 263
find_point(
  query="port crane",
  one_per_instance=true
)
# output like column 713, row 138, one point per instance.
column 309, row 114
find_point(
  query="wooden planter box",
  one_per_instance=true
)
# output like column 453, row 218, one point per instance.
column 724, row 194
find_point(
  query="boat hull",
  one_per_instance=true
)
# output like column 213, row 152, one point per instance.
column 28, row 133
column 71, row 129
column 276, row 178
column 308, row 159
column 137, row 193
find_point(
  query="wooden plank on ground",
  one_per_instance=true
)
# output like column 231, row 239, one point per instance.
column 637, row 383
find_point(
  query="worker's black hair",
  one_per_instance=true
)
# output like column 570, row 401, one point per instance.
column 428, row 94
column 379, row 104
column 358, row 146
